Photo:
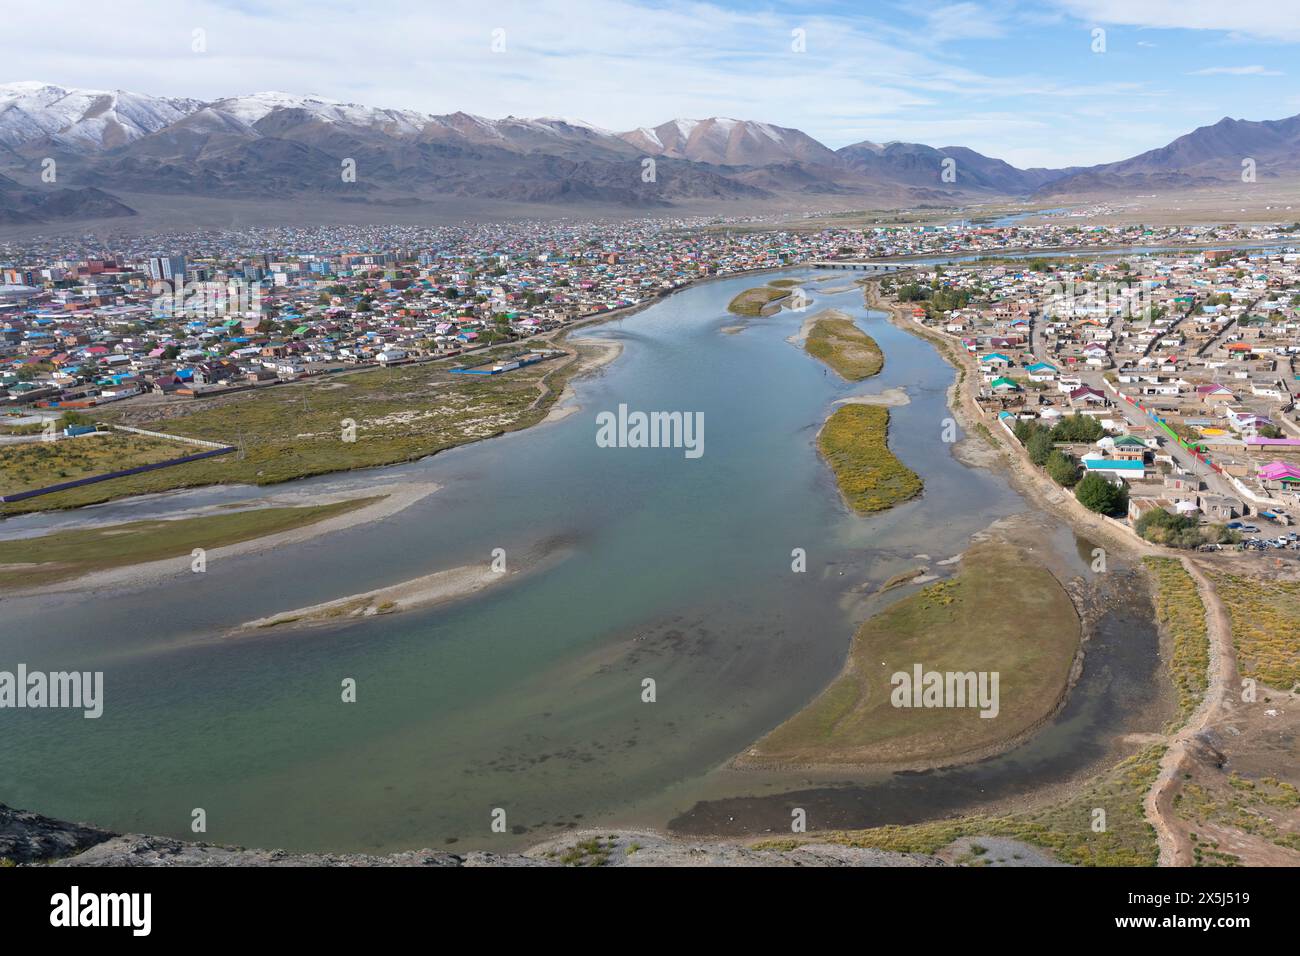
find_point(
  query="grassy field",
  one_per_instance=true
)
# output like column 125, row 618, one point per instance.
column 70, row 554
column 36, row 464
column 1267, row 808
column 1182, row 616
column 1002, row 613
column 854, row 442
column 751, row 302
column 1065, row 827
column 848, row 350
column 1265, row 627
column 291, row 431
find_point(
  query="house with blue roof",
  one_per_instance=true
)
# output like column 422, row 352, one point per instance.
column 1095, row 462
column 1042, row 372
column 994, row 359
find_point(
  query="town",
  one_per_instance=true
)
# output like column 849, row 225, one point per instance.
column 1170, row 375
column 1183, row 358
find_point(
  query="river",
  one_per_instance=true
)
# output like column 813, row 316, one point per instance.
column 529, row 697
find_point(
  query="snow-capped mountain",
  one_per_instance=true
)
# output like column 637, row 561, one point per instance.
column 83, row 119
column 255, row 107
column 277, row 145
column 729, row 142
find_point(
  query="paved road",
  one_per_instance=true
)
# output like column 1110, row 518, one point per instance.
column 1215, row 482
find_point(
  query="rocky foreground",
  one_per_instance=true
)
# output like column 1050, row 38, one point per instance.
column 28, row 839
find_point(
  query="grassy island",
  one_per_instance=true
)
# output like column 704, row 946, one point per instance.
column 854, row 443
column 1027, row 634
column 753, row 302
column 843, row 346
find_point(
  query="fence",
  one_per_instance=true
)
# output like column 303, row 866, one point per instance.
column 180, row 438
column 139, row 469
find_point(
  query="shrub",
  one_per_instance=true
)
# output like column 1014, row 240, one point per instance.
column 1180, row 531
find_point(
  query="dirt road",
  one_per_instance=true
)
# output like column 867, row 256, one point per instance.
column 1171, row 833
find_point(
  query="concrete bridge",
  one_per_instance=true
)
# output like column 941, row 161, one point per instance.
column 859, row 265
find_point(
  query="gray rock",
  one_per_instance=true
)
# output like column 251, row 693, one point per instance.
column 27, row 837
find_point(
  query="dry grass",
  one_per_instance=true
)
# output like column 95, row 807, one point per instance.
column 1181, row 615
column 295, row 430
column 854, row 442
column 1265, row 627
column 37, row 464
column 69, row 554
column 1002, row 613
column 848, row 350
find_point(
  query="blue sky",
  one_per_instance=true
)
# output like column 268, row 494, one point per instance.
column 1017, row 80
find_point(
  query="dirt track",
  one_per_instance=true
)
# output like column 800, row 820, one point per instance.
column 1171, row 833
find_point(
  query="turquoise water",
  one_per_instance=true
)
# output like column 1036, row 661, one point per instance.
column 526, row 698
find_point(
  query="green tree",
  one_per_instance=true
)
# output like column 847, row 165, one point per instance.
column 1077, row 428
column 68, row 419
column 1097, row 494
column 1023, row 429
column 1063, row 469
column 1039, row 446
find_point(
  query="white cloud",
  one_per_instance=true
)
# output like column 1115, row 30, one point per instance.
column 1236, row 71
column 617, row 64
column 1260, row 19
column 963, row 21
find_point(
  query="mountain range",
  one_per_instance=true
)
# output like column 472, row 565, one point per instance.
column 288, row 146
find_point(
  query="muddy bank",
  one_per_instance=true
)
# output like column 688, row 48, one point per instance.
column 1112, row 695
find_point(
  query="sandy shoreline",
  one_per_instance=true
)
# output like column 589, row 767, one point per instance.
column 396, row 498
column 593, row 355
column 430, row 590
column 894, row 397
column 800, row 338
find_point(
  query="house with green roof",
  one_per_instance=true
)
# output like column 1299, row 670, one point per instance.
column 1127, row 447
